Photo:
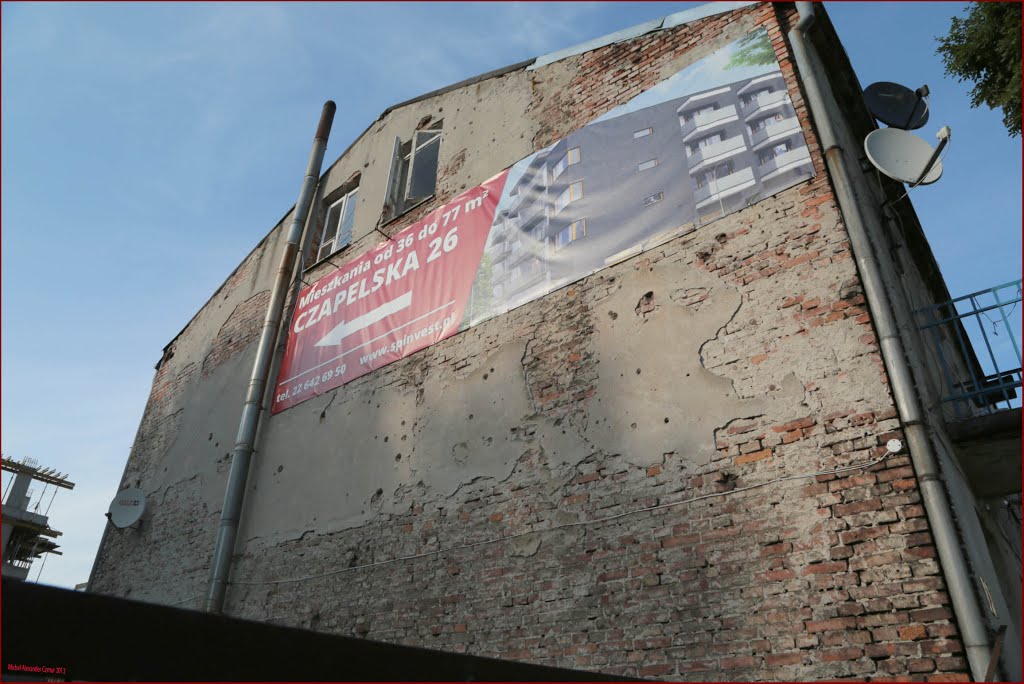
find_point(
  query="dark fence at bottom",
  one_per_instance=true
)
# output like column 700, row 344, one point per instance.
column 60, row 635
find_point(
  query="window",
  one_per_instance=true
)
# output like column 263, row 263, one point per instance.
column 649, row 164
column 689, row 116
column 761, row 123
column 571, row 157
column 715, row 174
column 747, row 99
column 413, row 171
column 712, row 139
column 642, row 132
column 571, row 194
column 653, row 199
column 338, row 225
column 766, row 155
column 575, row 231
column 706, row 142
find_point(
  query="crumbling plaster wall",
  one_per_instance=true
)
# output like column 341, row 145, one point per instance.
column 495, row 493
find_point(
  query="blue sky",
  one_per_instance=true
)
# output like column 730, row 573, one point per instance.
column 148, row 147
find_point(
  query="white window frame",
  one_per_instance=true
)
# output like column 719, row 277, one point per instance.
column 404, row 159
column 649, row 164
column 329, row 246
column 643, row 132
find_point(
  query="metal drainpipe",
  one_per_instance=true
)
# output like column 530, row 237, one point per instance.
column 933, row 493
column 244, row 443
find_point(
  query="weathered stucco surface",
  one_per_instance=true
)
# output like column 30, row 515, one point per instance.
column 655, row 396
column 599, row 479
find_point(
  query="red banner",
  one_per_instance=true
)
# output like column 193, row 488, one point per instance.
column 405, row 294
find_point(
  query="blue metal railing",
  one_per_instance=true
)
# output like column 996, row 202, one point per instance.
column 982, row 332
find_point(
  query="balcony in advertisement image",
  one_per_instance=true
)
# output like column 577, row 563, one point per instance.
column 775, row 130
column 526, row 274
column 520, row 252
column 527, row 200
column 761, row 102
column 706, row 121
column 773, row 80
column 723, row 186
column 716, row 152
column 499, row 251
column 783, row 162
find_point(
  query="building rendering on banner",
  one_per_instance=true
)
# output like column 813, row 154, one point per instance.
column 584, row 370
column 737, row 143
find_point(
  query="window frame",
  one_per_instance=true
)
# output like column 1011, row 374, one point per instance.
column 403, row 166
column 569, row 195
column 655, row 198
column 344, row 201
column 652, row 163
column 643, row 132
column 577, row 231
column 563, row 164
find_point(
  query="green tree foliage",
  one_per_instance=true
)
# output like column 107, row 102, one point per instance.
column 481, row 297
column 754, row 50
column 984, row 47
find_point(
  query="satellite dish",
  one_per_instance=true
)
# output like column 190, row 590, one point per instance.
column 896, row 105
column 902, row 156
column 127, row 507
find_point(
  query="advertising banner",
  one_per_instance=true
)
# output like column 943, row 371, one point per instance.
column 714, row 138
column 403, row 295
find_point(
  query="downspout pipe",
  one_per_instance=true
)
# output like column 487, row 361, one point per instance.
column 822, row 104
column 220, row 565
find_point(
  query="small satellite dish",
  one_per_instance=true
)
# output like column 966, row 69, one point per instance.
column 896, row 105
column 127, row 507
column 902, row 156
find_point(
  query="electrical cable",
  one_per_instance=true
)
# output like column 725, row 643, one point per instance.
column 582, row 523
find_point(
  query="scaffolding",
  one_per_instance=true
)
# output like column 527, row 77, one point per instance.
column 27, row 535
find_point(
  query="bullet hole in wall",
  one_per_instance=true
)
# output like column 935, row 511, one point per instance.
column 646, row 304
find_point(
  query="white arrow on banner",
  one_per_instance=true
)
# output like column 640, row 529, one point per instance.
column 346, row 328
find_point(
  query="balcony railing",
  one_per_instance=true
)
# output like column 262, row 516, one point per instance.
column 762, row 101
column 707, row 119
column 981, row 331
column 800, row 154
column 717, row 149
column 784, row 127
column 721, row 185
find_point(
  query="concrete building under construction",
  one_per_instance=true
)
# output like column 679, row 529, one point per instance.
column 758, row 444
column 27, row 534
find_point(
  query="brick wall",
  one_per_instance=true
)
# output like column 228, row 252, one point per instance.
column 720, row 558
